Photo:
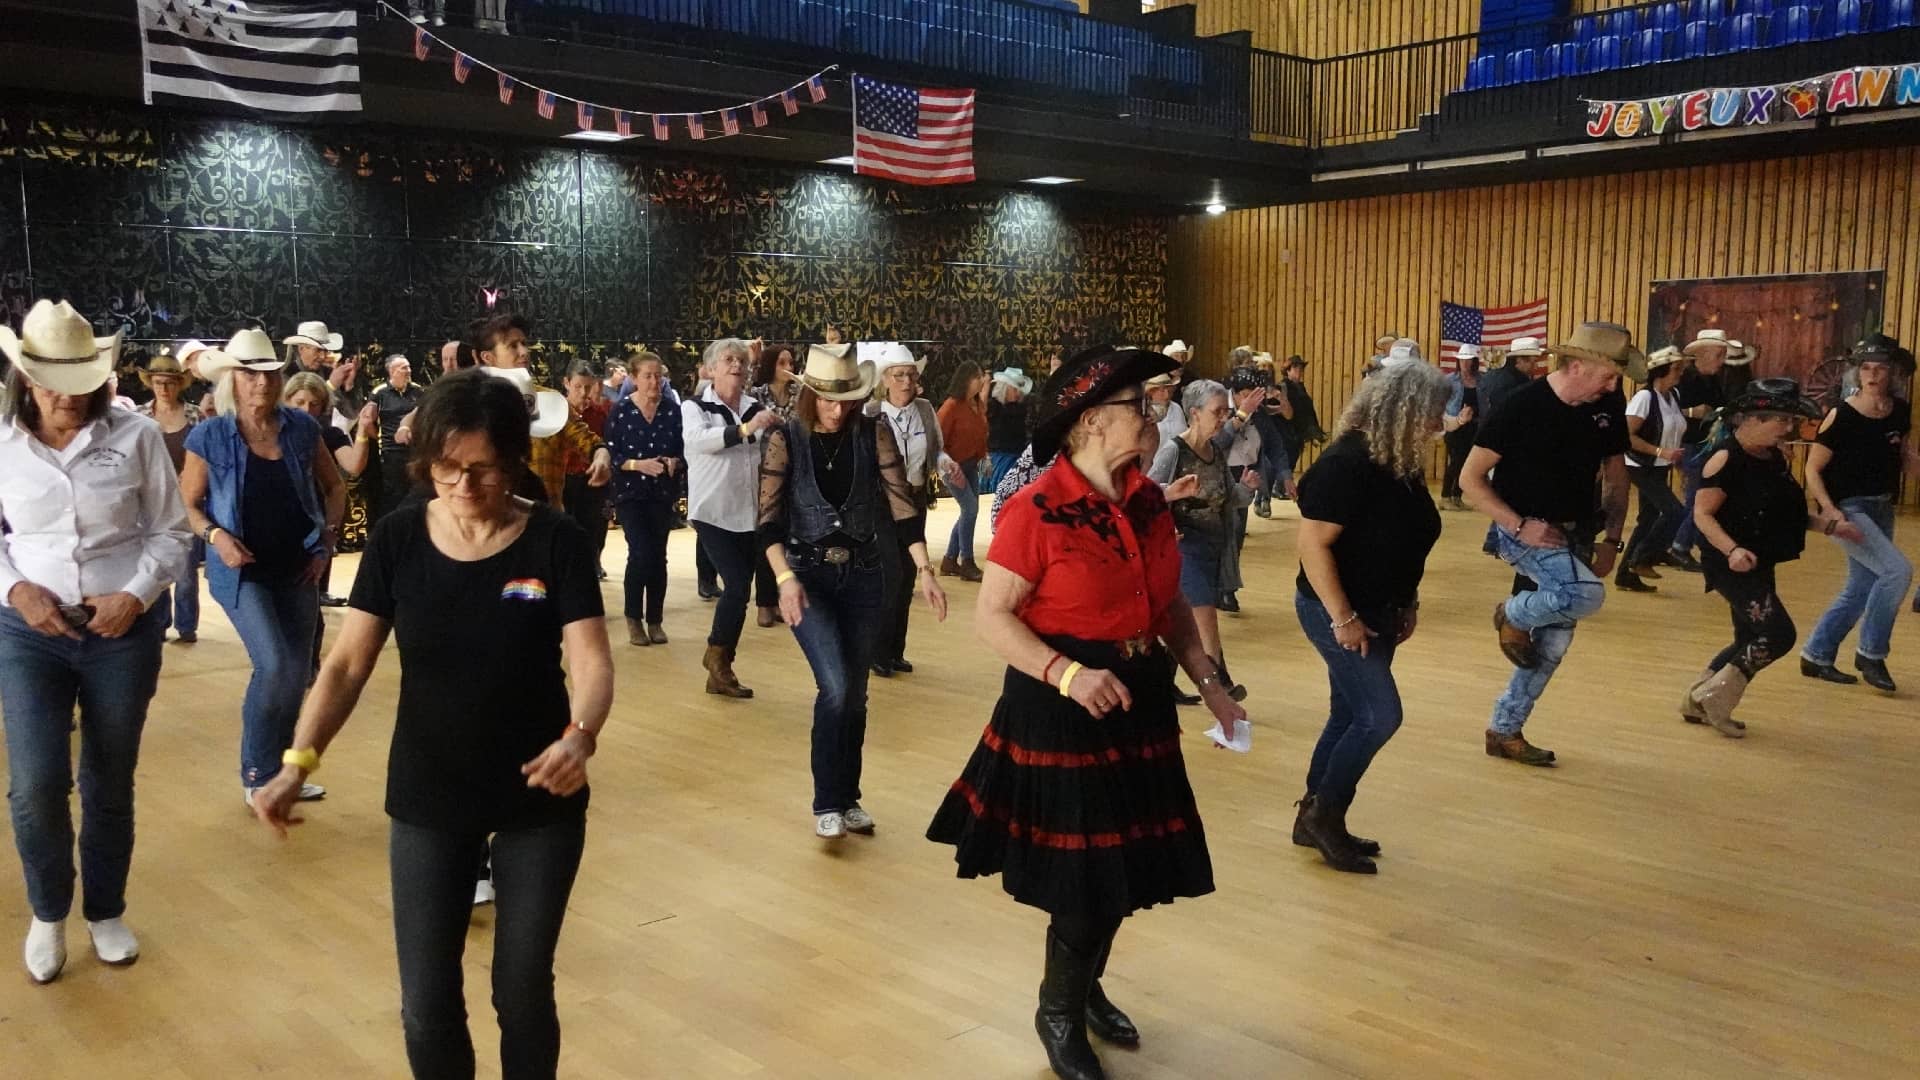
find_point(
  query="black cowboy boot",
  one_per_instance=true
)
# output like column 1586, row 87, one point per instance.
column 1061, row 1020
column 1369, row 848
column 1874, row 672
column 1104, row 1018
column 1326, row 823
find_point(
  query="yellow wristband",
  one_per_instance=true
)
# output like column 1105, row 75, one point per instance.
column 783, row 577
column 1066, row 678
column 745, row 433
column 308, row 759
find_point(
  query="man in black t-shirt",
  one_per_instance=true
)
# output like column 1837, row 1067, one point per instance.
column 396, row 399
column 1552, row 440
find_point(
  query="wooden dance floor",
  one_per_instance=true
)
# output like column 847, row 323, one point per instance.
column 1667, row 903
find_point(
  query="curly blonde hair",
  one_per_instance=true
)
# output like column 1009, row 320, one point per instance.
column 1398, row 410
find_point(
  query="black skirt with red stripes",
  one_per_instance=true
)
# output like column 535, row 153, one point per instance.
column 1081, row 816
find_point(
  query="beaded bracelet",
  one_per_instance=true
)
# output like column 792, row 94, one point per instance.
column 1346, row 622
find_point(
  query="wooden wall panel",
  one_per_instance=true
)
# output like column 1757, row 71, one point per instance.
column 1332, row 276
column 1340, row 27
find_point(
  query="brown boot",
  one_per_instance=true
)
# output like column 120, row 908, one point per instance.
column 1515, row 644
column 637, row 633
column 949, row 566
column 1717, row 698
column 720, row 678
column 738, row 690
column 768, row 616
column 970, row 572
column 1517, row 748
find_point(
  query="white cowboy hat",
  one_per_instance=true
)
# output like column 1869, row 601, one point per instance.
column 1665, row 357
column 1403, row 351
column 1708, row 339
column 189, row 348
column 249, row 349
column 1016, row 378
column 1739, row 355
column 1263, row 359
column 1468, row 351
column 885, row 355
column 1158, row 381
column 57, row 350
column 315, row 332
column 835, row 373
column 548, row 408
column 1525, row 346
column 1178, row 346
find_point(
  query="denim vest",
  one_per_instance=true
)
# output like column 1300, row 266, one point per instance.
column 810, row 517
column 220, row 443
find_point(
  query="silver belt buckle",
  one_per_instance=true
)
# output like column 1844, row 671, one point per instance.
column 838, row 556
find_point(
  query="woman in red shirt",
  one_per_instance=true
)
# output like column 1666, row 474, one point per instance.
column 1077, row 794
column 963, row 431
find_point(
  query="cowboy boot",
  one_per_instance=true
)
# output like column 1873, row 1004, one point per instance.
column 637, row 633
column 1625, row 578
column 1826, row 673
column 969, row 571
column 726, row 667
column 1874, row 672
column 1515, row 644
column 1104, row 1018
column 1061, row 1020
column 949, row 566
column 720, row 678
column 1717, row 698
column 1515, row 747
column 1326, row 825
column 1369, row 848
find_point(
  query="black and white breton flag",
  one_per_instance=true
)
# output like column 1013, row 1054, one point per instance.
column 270, row 57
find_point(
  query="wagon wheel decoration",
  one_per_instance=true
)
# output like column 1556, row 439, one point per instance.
column 1826, row 383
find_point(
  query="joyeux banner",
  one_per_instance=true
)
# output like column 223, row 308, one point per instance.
column 1846, row 90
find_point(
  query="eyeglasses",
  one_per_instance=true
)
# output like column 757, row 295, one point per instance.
column 1137, row 404
column 450, row 473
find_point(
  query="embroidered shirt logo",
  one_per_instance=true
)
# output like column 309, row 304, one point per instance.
column 524, row 589
column 103, row 457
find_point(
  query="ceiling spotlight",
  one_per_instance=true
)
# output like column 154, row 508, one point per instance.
column 846, row 160
column 595, row 135
column 1216, row 208
column 1053, row 180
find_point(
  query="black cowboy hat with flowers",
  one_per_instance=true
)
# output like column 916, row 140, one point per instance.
column 1086, row 379
column 1778, row 395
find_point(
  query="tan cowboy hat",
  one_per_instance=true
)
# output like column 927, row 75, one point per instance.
column 1263, row 359
column 1708, row 339
column 163, row 366
column 1525, row 346
column 1016, row 378
column 1385, row 341
column 1604, row 341
column 1162, row 380
column 315, row 332
column 56, row 349
column 1739, row 355
column 1663, row 357
column 884, row 355
column 834, row 373
column 250, row 349
column 547, row 408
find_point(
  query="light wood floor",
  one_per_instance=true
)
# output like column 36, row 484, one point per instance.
column 1667, row 903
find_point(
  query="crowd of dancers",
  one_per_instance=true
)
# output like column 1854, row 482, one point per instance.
column 1121, row 493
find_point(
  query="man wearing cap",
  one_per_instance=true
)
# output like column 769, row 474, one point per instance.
column 1703, row 390
column 1551, row 441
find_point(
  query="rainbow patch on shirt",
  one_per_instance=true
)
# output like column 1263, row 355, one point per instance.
column 524, row 589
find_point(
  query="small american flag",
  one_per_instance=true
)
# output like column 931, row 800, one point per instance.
column 546, row 104
column 788, row 103
column 910, row 135
column 462, row 67
column 817, row 89
column 506, row 88
column 660, row 132
column 759, row 114
column 622, row 123
column 730, row 121
column 583, row 115
column 421, row 46
column 1490, row 328
column 696, row 126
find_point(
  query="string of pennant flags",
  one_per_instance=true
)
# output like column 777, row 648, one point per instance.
column 1874, row 86
column 548, row 103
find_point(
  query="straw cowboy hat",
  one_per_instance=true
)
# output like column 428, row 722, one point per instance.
column 163, row 366
column 1525, row 346
column 1016, row 378
column 1739, row 355
column 56, row 349
column 547, row 408
column 1402, row 351
column 835, row 374
column 886, row 355
column 1161, row 380
column 1607, row 342
column 1664, row 357
column 315, row 333
column 1708, row 339
column 251, row 350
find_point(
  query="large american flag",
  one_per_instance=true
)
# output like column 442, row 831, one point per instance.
column 911, row 135
column 1490, row 328
column 273, row 58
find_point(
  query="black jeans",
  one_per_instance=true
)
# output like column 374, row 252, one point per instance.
column 1459, row 444
column 533, row 871
column 646, row 524
column 901, row 586
column 765, row 592
column 587, row 506
column 734, row 555
column 836, row 633
column 395, row 484
column 1660, row 514
column 1762, row 630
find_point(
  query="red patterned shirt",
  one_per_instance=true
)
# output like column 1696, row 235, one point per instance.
column 1101, row 571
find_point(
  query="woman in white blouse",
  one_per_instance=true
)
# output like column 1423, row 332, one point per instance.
column 98, row 533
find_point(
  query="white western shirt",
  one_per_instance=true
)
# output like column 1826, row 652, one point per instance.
column 723, row 470
column 102, row 516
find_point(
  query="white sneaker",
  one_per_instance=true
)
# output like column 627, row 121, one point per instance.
column 858, row 821
column 46, row 950
column 418, row 19
column 113, row 943
column 312, row 792
column 483, row 892
column 439, row 20
column 829, row 826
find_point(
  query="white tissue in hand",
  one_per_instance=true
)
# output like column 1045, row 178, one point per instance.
column 1242, row 740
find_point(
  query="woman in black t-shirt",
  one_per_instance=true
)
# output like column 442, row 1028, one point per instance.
column 1752, row 516
column 1853, row 473
column 484, row 593
column 1367, row 523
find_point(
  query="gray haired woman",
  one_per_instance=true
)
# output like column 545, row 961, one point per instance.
column 1192, row 467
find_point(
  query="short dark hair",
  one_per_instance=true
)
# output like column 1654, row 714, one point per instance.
column 472, row 401
column 579, row 369
column 27, row 411
column 1294, row 361
column 490, row 331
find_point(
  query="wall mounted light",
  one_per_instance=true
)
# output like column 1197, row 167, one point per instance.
column 1216, row 208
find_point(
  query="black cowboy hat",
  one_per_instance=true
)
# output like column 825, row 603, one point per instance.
column 1777, row 395
column 1879, row 348
column 1083, row 381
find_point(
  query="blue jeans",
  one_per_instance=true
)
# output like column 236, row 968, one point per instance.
column 1003, row 461
column 1687, row 536
column 276, row 624
column 186, row 590
column 838, row 634
column 1566, row 591
column 110, row 680
column 432, row 870
column 1878, row 574
column 960, row 541
column 1364, row 702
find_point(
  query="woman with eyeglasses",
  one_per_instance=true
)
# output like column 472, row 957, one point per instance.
column 486, row 595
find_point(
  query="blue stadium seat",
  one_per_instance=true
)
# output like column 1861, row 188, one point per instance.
column 1709, row 10
column 1520, row 66
column 1790, row 27
column 682, row 12
column 1604, row 54
column 1695, row 38
column 1665, row 17
column 1848, row 18
column 1559, row 59
column 1894, row 14
column 1586, row 29
column 1739, row 33
column 1481, row 72
column 1647, row 47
